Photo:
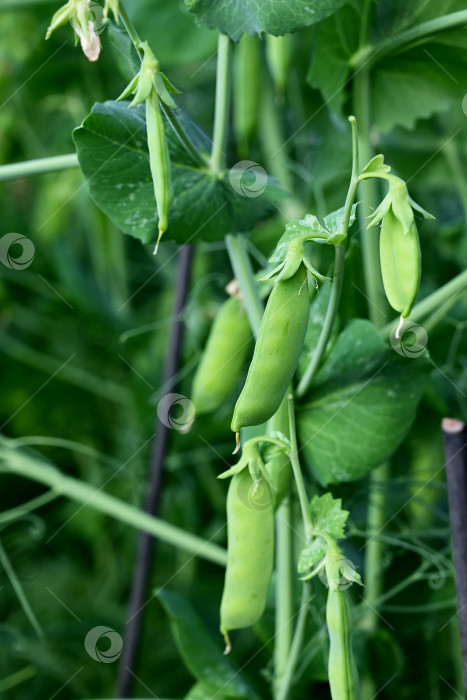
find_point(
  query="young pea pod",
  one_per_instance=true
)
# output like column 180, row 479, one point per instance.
column 343, row 677
column 223, row 357
column 159, row 161
column 250, row 527
column 150, row 86
column 246, row 91
column 342, row 671
column 280, row 341
column 400, row 263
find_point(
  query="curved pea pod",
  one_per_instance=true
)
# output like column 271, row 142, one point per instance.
column 246, row 91
column 343, row 676
column 250, row 558
column 223, row 357
column 278, row 347
column 400, row 263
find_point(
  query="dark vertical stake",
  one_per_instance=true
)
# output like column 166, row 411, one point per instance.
column 145, row 541
column 455, row 441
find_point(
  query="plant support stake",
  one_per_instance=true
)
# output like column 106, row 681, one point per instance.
column 455, row 452
column 145, row 543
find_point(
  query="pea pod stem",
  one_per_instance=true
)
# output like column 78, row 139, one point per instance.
column 338, row 276
column 284, row 592
column 297, row 472
column 221, row 114
column 243, row 271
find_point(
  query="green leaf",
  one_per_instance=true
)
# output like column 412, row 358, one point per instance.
column 361, row 406
column 327, row 515
column 201, row 653
column 112, row 151
column 311, row 555
column 416, row 84
column 257, row 16
column 377, row 166
column 333, row 222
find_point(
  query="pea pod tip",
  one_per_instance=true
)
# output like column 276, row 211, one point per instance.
column 228, row 645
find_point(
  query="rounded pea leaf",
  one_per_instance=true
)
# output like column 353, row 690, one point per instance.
column 361, row 406
column 112, row 150
column 257, row 16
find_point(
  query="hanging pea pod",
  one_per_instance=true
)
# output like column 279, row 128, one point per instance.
column 250, row 558
column 150, row 86
column 246, row 91
column 223, row 357
column 278, row 54
column 277, row 350
column 342, row 671
column 400, row 263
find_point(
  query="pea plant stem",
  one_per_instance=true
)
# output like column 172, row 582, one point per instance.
column 221, row 113
column 338, row 276
column 39, row 166
column 243, row 271
column 297, row 644
column 297, row 472
column 87, row 495
column 284, row 590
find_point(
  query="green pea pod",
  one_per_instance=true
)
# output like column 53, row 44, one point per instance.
column 223, row 357
column 400, row 263
column 250, row 559
column 343, row 676
column 246, row 91
column 159, row 161
column 278, row 347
